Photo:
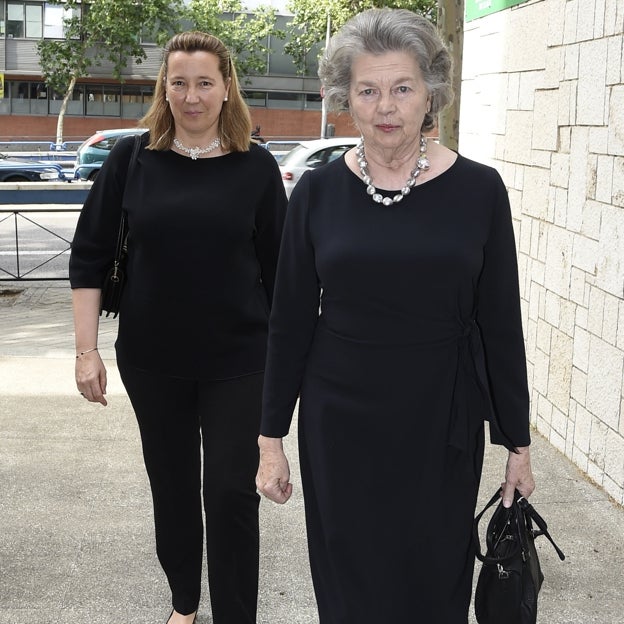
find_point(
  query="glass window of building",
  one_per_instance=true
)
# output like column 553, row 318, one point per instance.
column 136, row 100
column 53, row 21
column 285, row 100
column 313, row 101
column 281, row 63
column 15, row 19
column 103, row 100
column 34, row 21
column 75, row 105
column 255, row 98
column 24, row 19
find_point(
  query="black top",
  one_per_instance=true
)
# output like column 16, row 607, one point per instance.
column 432, row 279
column 203, row 243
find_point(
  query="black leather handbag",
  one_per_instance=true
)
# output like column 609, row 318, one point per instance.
column 115, row 280
column 511, row 576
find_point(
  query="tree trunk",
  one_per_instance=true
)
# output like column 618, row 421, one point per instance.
column 61, row 115
column 451, row 25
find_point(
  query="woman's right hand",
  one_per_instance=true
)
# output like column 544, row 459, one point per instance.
column 90, row 371
column 91, row 377
column 273, row 478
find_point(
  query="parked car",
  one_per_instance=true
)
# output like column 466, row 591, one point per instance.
column 279, row 149
column 13, row 169
column 93, row 152
column 312, row 154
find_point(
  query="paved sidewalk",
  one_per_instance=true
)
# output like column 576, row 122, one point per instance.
column 76, row 542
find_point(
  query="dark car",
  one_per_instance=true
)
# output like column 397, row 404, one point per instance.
column 13, row 169
column 93, row 152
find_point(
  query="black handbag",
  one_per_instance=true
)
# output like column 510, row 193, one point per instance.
column 115, row 280
column 510, row 577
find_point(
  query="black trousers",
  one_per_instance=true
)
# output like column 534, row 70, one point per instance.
column 176, row 418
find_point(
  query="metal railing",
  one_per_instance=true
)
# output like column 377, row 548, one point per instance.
column 38, row 146
column 15, row 244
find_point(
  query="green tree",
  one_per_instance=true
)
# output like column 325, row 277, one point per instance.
column 98, row 31
column 245, row 34
column 309, row 24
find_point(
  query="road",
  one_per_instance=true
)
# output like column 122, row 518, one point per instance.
column 35, row 242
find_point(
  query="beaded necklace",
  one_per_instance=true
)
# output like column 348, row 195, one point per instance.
column 422, row 164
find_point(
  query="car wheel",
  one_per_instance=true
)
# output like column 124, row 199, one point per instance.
column 93, row 175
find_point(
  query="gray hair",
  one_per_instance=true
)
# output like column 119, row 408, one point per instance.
column 378, row 31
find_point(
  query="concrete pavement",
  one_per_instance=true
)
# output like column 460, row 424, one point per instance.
column 76, row 539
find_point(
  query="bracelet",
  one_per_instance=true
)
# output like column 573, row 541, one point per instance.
column 87, row 351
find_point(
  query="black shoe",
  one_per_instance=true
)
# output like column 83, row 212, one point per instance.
column 172, row 610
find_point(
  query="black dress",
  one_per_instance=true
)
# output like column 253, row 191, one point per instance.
column 418, row 340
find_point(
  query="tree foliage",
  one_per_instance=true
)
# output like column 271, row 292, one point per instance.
column 245, row 34
column 309, row 24
column 99, row 31
column 103, row 31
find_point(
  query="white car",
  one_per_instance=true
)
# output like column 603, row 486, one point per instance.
column 312, row 154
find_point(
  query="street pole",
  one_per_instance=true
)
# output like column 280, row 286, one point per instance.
column 323, row 105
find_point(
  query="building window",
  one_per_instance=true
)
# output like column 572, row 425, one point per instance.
column 313, row 101
column 53, row 26
column 75, row 105
column 255, row 98
column 26, row 98
column 136, row 100
column 104, row 100
column 280, row 63
column 285, row 100
column 34, row 21
column 24, row 19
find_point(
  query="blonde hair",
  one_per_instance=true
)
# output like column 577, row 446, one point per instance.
column 234, row 119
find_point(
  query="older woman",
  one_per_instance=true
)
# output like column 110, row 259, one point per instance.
column 407, row 248
column 205, row 212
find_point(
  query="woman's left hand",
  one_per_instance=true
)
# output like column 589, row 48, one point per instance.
column 518, row 476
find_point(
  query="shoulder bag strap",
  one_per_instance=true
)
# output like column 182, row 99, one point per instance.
column 122, row 237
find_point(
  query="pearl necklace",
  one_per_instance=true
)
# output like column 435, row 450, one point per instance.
column 194, row 152
column 422, row 164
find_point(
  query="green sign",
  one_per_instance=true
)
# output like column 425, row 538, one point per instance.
column 479, row 8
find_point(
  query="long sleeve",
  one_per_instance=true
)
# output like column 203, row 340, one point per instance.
column 95, row 239
column 499, row 318
column 268, row 229
column 293, row 317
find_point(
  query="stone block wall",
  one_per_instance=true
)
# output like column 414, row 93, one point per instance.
column 543, row 101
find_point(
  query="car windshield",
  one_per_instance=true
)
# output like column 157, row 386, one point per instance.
column 292, row 155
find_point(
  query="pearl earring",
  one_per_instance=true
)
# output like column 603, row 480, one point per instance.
column 225, row 99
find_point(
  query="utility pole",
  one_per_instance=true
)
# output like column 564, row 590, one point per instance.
column 451, row 25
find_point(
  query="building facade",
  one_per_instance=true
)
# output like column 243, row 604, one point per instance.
column 283, row 103
column 543, row 101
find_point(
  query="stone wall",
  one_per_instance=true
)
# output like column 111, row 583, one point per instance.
column 543, row 102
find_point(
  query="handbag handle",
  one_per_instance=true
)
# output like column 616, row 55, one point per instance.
column 528, row 511
column 475, row 531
